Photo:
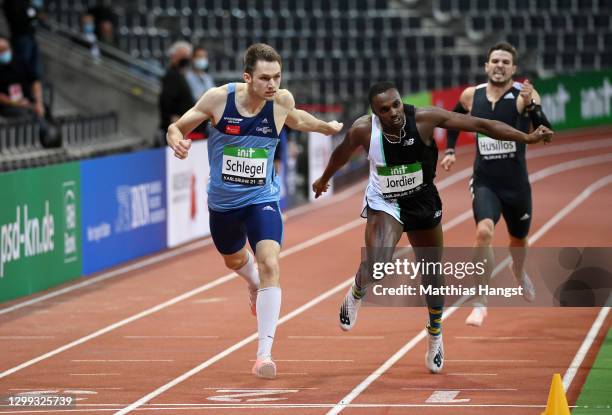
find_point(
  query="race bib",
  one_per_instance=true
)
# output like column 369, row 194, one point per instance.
column 245, row 165
column 398, row 181
column 490, row 147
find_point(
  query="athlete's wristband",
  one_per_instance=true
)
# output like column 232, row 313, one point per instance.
column 449, row 151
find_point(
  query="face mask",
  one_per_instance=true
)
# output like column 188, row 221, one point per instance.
column 88, row 28
column 201, row 64
column 183, row 63
column 6, row 57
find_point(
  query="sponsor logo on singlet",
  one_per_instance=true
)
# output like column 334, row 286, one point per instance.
column 398, row 181
column 232, row 129
column 488, row 146
column 245, row 165
column 264, row 130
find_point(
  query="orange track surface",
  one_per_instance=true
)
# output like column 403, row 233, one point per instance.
column 504, row 367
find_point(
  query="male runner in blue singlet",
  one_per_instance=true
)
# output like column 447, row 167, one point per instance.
column 401, row 195
column 243, row 188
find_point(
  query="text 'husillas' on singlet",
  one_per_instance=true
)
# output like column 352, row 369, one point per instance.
column 241, row 154
column 404, row 169
column 500, row 162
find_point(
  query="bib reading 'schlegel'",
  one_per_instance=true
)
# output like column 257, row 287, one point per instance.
column 245, row 165
column 398, row 181
column 489, row 146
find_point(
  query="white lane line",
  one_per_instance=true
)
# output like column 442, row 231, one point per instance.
column 296, row 248
column 503, row 338
column 571, row 371
column 209, row 300
column 169, row 337
column 338, row 337
column 408, row 346
column 491, row 360
column 200, row 407
column 120, row 360
column 230, row 350
column 464, row 389
column 312, row 360
column 223, row 388
column 455, row 177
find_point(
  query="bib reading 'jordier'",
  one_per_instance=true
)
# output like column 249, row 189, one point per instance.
column 399, row 181
column 498, row 162
column 241, row 155
column 400, row 169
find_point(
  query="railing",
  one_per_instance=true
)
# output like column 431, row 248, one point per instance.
column 85, row 129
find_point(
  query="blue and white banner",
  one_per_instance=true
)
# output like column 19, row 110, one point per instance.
column 123, row 208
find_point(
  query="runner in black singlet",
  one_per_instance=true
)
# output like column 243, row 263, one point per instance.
column 500, row 183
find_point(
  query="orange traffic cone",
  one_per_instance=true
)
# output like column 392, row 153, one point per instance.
column 557, row 402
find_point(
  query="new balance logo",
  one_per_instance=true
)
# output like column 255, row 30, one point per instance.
column 525, row 216
column 268, row 207
column 438, row 358
column 438, row 214
column 408, row 142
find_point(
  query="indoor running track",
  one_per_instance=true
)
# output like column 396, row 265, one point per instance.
column 172, row 333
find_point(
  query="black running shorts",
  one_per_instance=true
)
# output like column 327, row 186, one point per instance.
column 489, row 202
column 422, row 211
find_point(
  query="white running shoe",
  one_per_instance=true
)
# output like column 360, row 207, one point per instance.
column 434, row 358
column 264, row 368
column 253, row 300
column 348, row 310
column 477, row 316
column 529, row 293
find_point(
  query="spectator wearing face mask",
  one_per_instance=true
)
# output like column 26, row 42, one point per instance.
column 197, row 76
column 23, row 17
column 88, row 33
column 21, row 96
column 20, row 87
column 175, row 98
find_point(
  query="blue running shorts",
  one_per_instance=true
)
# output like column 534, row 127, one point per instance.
column 230, row 229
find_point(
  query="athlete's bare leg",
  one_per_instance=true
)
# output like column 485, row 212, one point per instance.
column 432, row 241
column 483, row 252
column 382, row 234
column 518, row 251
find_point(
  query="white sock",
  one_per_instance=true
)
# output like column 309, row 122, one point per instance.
column 249, row 272
column 268, row 309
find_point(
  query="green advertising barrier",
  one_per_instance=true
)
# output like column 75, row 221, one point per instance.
column 420, row 99
column 576, row 101
column 40, row 229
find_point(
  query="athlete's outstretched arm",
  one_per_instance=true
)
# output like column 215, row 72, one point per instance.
column 195, row 116
column 355, row 137
column 492, row 128
column 303, row 121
